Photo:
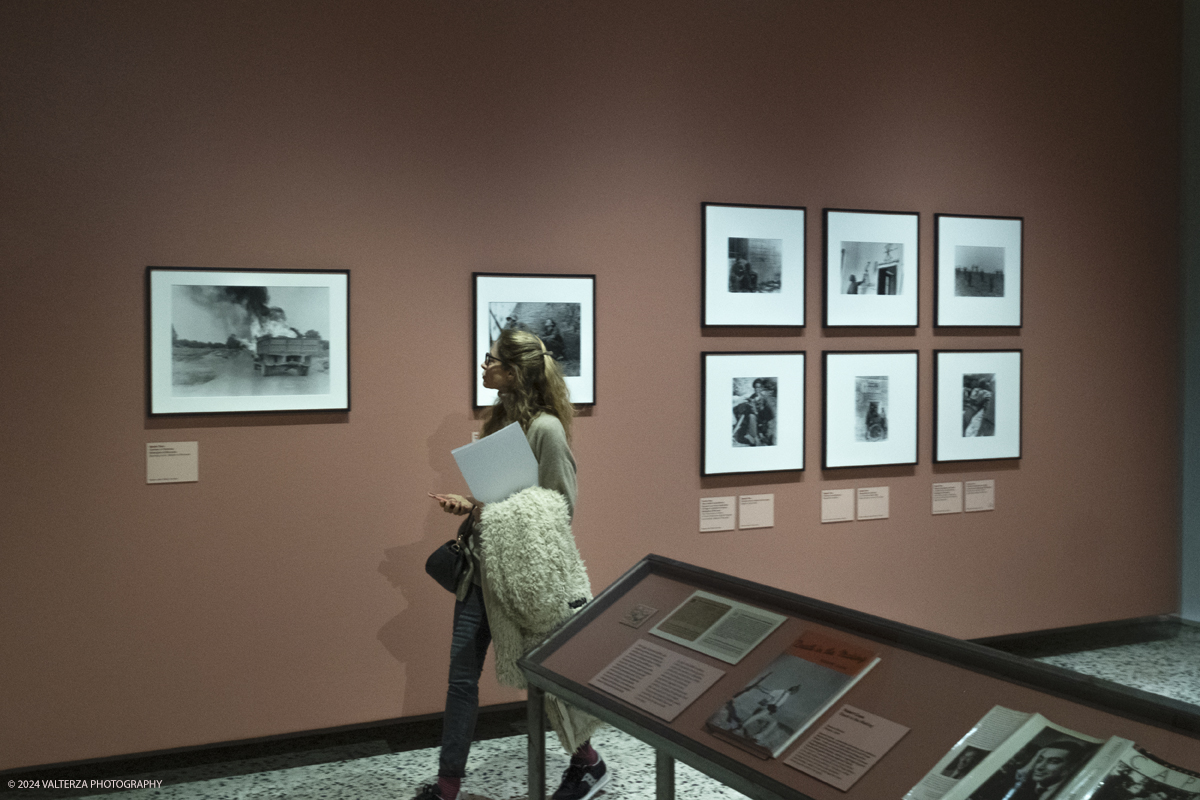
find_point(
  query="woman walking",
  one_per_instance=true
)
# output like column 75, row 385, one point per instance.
column 503, row 542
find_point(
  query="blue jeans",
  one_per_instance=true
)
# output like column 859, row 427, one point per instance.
column 468, row 647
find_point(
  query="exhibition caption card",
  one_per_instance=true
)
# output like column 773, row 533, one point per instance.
column 172, row 462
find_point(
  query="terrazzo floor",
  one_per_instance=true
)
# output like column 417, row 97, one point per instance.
column 370, row 771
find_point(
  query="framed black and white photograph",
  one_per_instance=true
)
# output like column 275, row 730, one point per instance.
column 752, row 412
column 223, row 341
column 976, row 404
column 871, row 268
column 558, row 309
column 870, row 408
column 753, row 260
column 979, row 267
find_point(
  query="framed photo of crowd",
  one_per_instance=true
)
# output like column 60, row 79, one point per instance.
column 979, row 270
column 871, row 268
column 752, row 412
column 870, row 408
column 753, row 265
column 976, row 404
column 558, row 309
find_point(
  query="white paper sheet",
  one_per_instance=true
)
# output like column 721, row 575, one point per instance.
column 498, row 465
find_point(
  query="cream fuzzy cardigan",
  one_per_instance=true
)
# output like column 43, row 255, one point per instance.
column 531, row 575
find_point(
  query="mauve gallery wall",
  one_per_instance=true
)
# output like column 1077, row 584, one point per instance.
column 414, row 143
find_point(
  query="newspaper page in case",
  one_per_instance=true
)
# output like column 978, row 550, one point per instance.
column 1131, row 773
column 988, row 734
column 717, row 626
column 770, row 712
column 1038, row 760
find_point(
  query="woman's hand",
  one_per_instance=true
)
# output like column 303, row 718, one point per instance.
column 455, row 503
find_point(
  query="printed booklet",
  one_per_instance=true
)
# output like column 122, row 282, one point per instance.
column 1011, row 754
column 771, row 711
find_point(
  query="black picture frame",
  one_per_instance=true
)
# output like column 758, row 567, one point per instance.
column 979, row 273
column 739, row 389
column 871, row 274
column 977, row 404
column 753, row 265
column 239, row 340
column 558, row 308
column 869, row 408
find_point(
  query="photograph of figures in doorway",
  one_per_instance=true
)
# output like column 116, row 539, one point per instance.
column 755, row 265
column 870, row 408
column 556, row 324
column 872, row 268
column 754, row 412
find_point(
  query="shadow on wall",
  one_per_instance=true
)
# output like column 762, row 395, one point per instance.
column 427, row 606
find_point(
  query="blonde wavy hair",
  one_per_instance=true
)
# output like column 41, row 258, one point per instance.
column 538, row 386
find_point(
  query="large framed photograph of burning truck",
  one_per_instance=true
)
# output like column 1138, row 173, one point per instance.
column 558, row 309
column 227, row 341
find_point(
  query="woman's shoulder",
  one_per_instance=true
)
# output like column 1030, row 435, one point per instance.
column 546, row 425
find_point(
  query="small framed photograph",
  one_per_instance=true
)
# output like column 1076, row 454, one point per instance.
column 979, row 269
column 753, row 258
column 871, row 268
column 976, row 404
column 558, row 309
column 752, row 412
column 225, row 341
column 870, row 409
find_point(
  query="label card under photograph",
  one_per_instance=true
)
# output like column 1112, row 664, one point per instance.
column 716, row 513
column 837, row 505
column 981, row 495
column 873, row 502
column 655, row 679
column 756, row 511
column 846, row 746
column 948, row 498
column 172, row 462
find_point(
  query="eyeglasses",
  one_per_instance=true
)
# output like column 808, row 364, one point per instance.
column 489, row 359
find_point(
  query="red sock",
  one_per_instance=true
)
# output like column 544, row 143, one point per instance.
column 448, row 787
column 586, row 755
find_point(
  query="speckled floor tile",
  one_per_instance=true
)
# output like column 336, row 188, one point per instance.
column 1170, row 667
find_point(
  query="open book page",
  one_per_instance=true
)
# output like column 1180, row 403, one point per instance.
column 789, row 694
column 1130, row 773
column 717, row 626
column 988, row 734
column 1037, row 761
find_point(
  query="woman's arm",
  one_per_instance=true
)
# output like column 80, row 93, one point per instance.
column 556, row 464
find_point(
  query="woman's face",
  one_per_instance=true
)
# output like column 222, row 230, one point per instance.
column 496, row 375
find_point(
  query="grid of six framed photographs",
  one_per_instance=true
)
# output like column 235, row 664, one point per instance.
column 753, row 403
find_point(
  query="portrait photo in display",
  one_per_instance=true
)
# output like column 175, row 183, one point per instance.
column 871, row 268
column 977, row 404
column 752, row 412
column 558, row 309
column 753, row 265
column 870, row 408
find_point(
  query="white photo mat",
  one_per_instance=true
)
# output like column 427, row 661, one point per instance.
column 989, row 243
column 1002, row 436
column 873, row 230
column 508, row 289
column 783, row 225
column 168, row 396
column 720, row 453
column 844, row 445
